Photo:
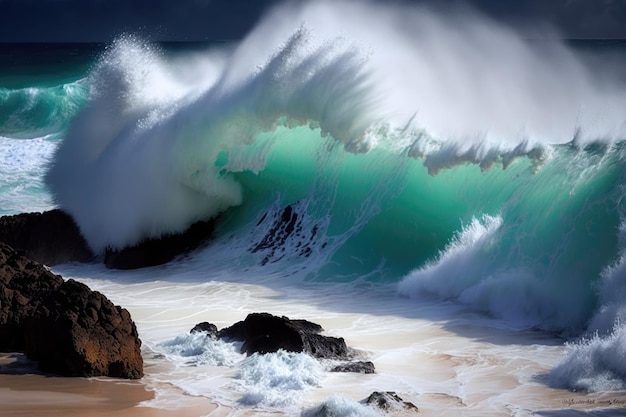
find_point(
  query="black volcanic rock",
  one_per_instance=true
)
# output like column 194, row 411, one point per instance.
column 266, row 333
column 390, row 401
column 50, row 238
column 66, row 327
column 161, row 250
column 209, row 328
column 359, row 367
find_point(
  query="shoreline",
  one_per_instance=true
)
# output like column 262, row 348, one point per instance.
column 442, row 357
column 26, row 392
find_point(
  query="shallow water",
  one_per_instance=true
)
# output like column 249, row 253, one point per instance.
column 443, row 357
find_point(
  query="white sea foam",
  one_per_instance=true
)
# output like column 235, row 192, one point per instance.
column 337, row 406
column 197, row 349
column 278, row 379
column 22, row 165
column 594, row 364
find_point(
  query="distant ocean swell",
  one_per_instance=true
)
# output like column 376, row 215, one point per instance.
column 448, row 155
column 39, row 111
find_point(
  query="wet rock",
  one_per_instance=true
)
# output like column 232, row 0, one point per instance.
column 360, row 367
column 325, row 346
column 266, row 333
column 50, row 238
column 69, row 329
column 390, row 401
column 161, row 250
column 209, row 328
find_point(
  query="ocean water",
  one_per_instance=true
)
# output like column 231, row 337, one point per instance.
column 454, row 196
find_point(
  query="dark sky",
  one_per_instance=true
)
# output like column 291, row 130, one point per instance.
column 102, row 20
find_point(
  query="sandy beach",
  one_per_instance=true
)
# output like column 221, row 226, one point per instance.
column 25, row 392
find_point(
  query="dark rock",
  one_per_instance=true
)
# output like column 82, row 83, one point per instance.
column 209, row 328
column 50, row 238
column 235, row 332
column 306, row 326
column 390, row 401
column 359, row 367
column 325, row 346
column 66, row 327
column 265, row 333
column 161, row 250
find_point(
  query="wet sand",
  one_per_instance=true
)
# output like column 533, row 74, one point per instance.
column 25, row 392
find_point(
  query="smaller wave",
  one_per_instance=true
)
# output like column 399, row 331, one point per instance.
column 22, row 164
column 597, row 361
column 32, row 112
column 593, row 364
column 458, row 271
column 467, row 271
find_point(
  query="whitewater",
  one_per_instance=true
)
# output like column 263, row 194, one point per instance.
column 441, row 191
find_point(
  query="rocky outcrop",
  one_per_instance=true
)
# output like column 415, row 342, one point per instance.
column 359, row 367
column 209, row 328
column 390, row 402
column 378, row 403
column 66, row 327
column 153, row 252
column 266, row 333
column 50, row 238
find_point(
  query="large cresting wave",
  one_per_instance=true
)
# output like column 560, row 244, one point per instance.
column 142, row 157
column 436, row 149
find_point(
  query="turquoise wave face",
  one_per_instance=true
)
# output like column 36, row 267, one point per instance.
column 529, row 245
column 385, row 209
